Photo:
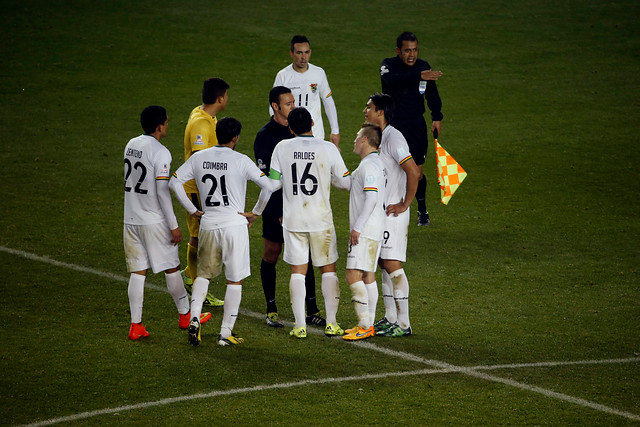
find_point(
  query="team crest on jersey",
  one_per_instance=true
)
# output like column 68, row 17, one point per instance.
column 384, row 70
column 314, row 87
column 198, row 140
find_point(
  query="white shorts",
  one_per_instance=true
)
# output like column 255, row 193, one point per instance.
column 149, row 246
column 364, row 255
column 323, row 245
column 395, row 236
column 227, row 246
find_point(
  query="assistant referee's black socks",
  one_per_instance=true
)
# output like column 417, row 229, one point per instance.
column 420, row 194
column 268, row 277
column 310, row 287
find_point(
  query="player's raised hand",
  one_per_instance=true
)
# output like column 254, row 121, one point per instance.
column 430, row 75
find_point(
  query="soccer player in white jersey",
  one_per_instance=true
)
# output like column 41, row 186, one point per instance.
column 307, row 167
column 309, row 86
column 150, row 231
column 366, row 221
column 221, row 175
column 402, row 181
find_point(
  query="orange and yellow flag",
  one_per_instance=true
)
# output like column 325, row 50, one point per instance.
column 450, row 173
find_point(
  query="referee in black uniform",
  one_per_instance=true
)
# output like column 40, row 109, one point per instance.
column 282, row 102
column 410, row 81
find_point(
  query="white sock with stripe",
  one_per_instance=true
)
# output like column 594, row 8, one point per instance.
column 175, row 285
column 198, row 295
column 297, row 293
column 401, row 296
column 331, row 294
column 232, row 299
column 136, row 296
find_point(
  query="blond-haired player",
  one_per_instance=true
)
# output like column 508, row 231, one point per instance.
column 366, row 221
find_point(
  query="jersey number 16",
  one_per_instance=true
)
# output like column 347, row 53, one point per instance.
column 303, row 180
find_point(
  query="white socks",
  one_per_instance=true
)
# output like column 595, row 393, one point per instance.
column 231, row 306
column 372, row 295
column 175, row 285
column 401, row 296
column 390, row 311
column 136, row 296
column 297, row 293
column 198, row 295
column 360, row 300
column 331, row 294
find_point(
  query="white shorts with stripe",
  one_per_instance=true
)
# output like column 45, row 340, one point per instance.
column 364, row 255
column 227, row 246
column 149, row 246
column 395, row 236
column 323, row 246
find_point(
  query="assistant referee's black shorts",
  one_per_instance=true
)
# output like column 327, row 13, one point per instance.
column 416, row 133
column 271, row 227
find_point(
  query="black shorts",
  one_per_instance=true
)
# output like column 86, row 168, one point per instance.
column 416, row 133
column 271, row 227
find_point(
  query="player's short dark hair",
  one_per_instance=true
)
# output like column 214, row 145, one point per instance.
column 212, row 89
column 299, row 38
column 407, row 36
column 276, row 92
column 227, row 129
column 300, row 120
column 383, row 102
column 151, row 117
column 373, row 134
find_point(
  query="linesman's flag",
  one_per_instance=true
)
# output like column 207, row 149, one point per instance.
column 450, row 173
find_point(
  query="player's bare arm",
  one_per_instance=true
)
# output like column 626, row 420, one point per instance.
column 335, row 138
column 413, row 176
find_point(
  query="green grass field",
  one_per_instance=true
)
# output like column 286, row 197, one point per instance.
column 525, row 300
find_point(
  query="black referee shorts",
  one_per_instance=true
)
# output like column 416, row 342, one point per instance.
column 271, row 227
column 416, row 133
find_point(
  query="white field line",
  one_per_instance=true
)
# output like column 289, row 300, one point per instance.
column 440, row 367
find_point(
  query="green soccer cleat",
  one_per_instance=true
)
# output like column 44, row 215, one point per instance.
column 230, row 340
column 382, row 325
column 272, row 320
column 210, row 300
column 395, row 331
column 300, row 332
column 194, row 332
column 333, row 330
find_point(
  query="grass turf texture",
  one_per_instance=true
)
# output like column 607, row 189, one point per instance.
column 535, row 258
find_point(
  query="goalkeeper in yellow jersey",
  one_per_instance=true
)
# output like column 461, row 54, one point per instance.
column 199, row 134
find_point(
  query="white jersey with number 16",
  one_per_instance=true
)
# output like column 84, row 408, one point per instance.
column 306, row 166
